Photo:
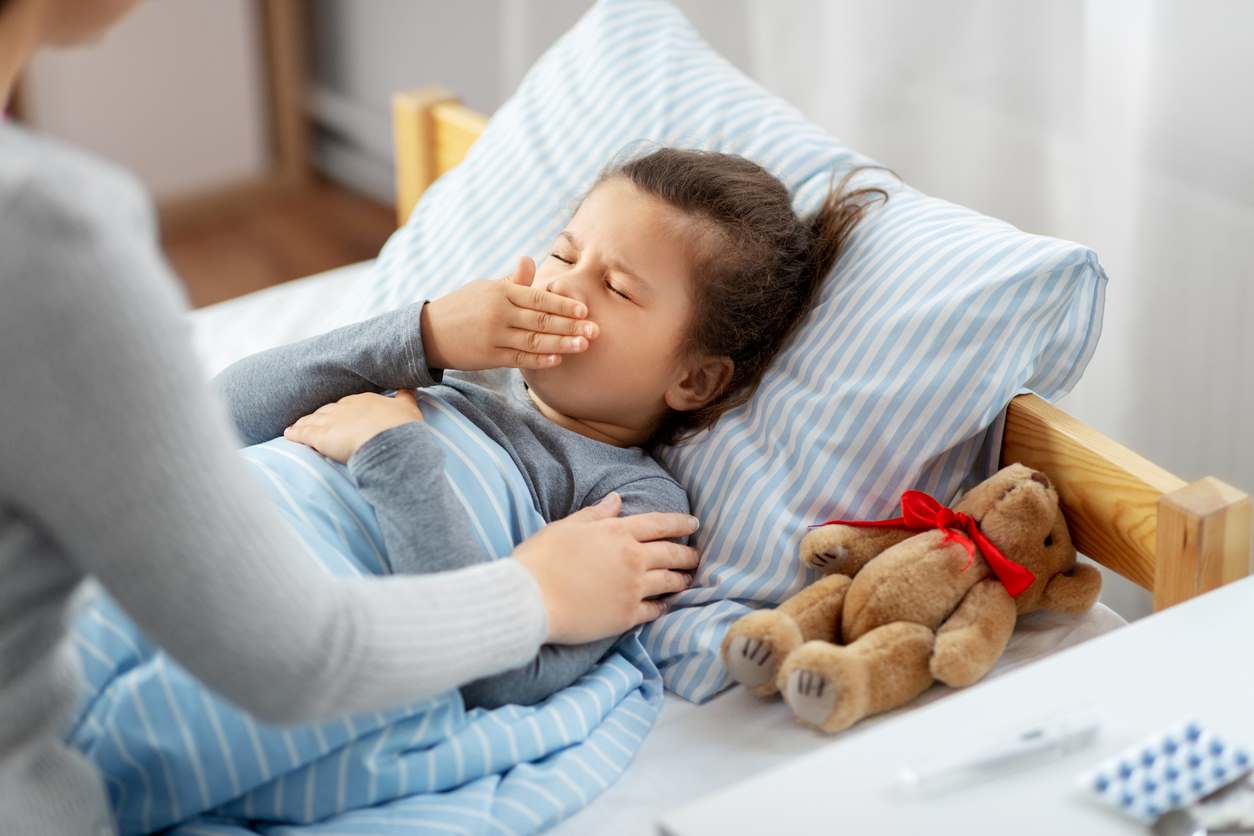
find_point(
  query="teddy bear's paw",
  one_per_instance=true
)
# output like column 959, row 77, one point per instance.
column 811, row 696
column 830, row 558
column 824, row 686
column 755, row 646
column 751, row 662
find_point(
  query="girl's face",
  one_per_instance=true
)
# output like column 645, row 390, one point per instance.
column 626, row 256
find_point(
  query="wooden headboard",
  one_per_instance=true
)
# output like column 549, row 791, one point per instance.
column 1173, row 538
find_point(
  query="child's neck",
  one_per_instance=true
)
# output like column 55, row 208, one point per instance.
column 607, row 433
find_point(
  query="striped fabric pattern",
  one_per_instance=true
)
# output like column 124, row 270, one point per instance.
column 933, row 319
column 176, row 755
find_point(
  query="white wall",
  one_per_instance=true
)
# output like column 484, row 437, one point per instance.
column 175, row 92
column 478, row 49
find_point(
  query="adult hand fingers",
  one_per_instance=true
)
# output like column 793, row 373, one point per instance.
column 663, row 554
column 649, row 610
column 537, row 343
column 538, row 299
column 657, row 525
column 609, row 506
column 664, row 582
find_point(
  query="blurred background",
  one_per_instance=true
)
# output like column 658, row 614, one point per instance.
column 1127, row 125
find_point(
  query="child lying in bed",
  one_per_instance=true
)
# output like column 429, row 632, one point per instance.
column 679, row 278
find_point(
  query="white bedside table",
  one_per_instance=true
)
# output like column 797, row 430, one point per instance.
column 1195, row 660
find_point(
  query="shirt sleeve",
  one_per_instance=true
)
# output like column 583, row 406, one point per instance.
column 124, row 463
column 557, row 666
column 265, row 392
column 425, row 527
column 650, row 493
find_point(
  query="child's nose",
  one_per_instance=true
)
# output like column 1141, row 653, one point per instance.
column 568, row 287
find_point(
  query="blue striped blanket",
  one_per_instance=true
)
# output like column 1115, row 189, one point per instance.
column 175, row 755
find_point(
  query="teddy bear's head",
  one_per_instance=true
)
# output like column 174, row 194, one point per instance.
column 1017, row 508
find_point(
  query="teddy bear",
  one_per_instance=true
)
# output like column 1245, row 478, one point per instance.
column 930, row 596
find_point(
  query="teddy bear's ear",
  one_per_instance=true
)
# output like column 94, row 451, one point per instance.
column 978, row 498
column 845, row 549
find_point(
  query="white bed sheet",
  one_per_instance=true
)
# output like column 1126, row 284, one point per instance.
column 694, row 749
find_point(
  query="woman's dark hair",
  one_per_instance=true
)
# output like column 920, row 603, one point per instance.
column 758, row 266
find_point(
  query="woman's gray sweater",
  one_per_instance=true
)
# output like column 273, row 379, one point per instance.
column 116, row 462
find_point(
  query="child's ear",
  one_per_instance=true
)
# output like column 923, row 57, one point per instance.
column 700, row 383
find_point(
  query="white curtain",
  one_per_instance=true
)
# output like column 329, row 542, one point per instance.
column 1127, row 125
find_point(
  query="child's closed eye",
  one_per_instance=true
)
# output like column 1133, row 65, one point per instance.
column 616, row 290
column 609, row 285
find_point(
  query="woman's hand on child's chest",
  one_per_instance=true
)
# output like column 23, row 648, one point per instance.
column 339, row 429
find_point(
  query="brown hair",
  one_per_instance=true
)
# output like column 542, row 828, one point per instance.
column 759, row 266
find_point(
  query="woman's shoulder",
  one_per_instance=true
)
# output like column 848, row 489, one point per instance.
column 49, row 188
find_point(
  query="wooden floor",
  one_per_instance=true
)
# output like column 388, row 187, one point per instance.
column 275, row 235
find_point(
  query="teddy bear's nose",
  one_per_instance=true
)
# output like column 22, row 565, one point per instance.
column 1037, row 476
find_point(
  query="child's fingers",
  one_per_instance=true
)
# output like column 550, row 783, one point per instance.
column 410, row 397
column 517, row 359
column 539, row 299
column 525, row 272
column 537, row 343
column 548, row 323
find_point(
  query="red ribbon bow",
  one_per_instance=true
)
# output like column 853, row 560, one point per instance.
column 921, row 512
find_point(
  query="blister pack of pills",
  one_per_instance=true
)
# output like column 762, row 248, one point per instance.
column 1167, row 771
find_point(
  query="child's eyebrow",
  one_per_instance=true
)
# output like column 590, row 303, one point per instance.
column 613, row 265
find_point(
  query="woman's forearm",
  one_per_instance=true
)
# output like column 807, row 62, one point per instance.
column 267, row 391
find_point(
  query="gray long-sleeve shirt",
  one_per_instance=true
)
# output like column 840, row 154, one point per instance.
column 425, row 527
column 116, row 462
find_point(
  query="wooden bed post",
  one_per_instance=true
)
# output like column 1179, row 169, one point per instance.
column 413, row 138
column 1174, row 539
column 286, row 34
column 1203, row 540
column 432, row 132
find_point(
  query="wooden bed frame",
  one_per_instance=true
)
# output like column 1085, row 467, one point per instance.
column 1173, row 538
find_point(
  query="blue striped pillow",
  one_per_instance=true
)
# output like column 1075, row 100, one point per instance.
column 933, row 319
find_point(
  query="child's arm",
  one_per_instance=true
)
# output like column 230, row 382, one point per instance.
column 485, row 324
column 399, row 469
column 557, row 666
column 268, row 391
column 425, row 527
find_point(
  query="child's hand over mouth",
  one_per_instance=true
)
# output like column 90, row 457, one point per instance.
column 338, row 429
column 497, row 323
